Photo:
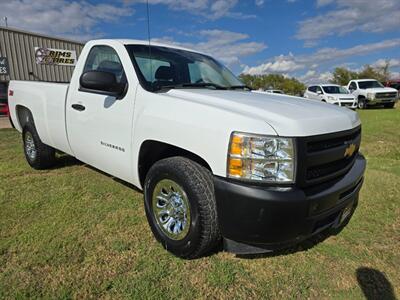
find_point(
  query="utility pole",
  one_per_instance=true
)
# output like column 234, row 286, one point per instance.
column 5, row 21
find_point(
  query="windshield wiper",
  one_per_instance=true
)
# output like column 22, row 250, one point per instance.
column 236, row 87
column 192, row 85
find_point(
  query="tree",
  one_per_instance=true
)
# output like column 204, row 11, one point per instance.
column 290, row 86
column 379, row 73
column 342, row 76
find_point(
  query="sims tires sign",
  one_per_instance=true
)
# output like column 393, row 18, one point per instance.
column 59, row 57
column 3, row 66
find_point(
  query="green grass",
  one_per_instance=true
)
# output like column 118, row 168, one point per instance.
column 72, row 232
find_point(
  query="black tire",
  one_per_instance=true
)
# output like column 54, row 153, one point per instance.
column 362, row 103
column 40, row 156
column 389, row 105
column 197, row 184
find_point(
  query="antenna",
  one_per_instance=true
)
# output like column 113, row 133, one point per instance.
column 5, row 21
column 149, row 38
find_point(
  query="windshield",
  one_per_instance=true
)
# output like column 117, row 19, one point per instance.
column 174, row 68
column 333, row 89
column 370, row 84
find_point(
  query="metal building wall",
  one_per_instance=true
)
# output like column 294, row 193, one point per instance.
column 19, row 48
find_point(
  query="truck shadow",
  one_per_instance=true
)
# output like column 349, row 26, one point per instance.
column 65, row 160
column 374, row 284
column 300, row 247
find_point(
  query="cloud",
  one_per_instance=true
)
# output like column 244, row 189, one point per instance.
column 259, row 2
column 380, row 63
column 323, row 56
column 350, row 16
column 210, row 9
column 227, row 46
column 313, row 76
column 280, row 64
column 324, row 2
column 72, row 19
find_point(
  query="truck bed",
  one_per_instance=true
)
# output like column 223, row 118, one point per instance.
column 46, row 101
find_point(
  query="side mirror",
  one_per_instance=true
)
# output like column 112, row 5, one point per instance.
column 101, row 83
column 319, row 92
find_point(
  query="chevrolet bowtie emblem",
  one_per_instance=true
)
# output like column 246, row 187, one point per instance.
column 349, row 150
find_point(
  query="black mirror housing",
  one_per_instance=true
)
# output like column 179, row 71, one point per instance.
column 100, row 82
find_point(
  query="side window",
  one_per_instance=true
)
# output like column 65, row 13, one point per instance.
column 353, row 86
column 105, row 59
column 312, row 89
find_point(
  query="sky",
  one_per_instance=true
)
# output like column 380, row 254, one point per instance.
column 305, row 39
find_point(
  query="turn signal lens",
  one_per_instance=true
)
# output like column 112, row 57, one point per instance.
column 236, row 167
column 236, row 145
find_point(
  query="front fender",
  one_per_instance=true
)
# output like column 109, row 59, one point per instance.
column 198, row 128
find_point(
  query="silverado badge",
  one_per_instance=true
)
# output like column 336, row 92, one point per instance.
column 348, row 152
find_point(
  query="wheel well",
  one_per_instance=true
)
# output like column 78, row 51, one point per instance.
column 24, row 115
column 153, row 151
column 361, row 97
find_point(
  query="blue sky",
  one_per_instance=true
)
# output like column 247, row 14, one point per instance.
column 302, row 38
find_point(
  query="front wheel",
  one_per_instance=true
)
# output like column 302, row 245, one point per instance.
column 181, row 208
column 362, row 103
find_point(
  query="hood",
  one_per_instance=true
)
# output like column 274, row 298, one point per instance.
column 381, row 90
column 289, row 116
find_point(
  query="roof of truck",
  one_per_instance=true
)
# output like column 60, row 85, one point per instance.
column 364, row 79
column 153, row 43
column 323, row 84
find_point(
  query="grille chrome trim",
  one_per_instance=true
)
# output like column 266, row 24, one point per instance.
column 321, row 158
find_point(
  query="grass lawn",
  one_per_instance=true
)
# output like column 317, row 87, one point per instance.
column 73, row 232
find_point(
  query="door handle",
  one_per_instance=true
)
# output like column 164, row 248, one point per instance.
column 78, row 107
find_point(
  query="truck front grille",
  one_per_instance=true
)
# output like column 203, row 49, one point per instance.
column 325, row 157
column 388, row 95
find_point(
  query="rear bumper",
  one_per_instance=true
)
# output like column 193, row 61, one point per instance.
column 274, row 217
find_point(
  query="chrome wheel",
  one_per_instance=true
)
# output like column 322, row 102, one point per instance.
column 30, row 147
column 171, row 209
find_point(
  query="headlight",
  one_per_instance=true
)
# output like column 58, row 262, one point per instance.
column 371, row 96
column 331, row 98
column 261, row 158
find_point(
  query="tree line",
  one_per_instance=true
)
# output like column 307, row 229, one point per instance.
column 290, row 86
column 293, row 86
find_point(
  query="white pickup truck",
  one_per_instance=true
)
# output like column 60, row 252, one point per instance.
column 216, row 161
column 372, row 92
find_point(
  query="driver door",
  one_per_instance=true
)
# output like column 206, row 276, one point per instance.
column 100, row 126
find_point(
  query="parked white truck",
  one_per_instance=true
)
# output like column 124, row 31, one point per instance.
column 216, row 161
column 372, row 92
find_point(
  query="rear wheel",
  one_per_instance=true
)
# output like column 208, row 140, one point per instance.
column 38, row 155
column 362, row 103
column 180, row 207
